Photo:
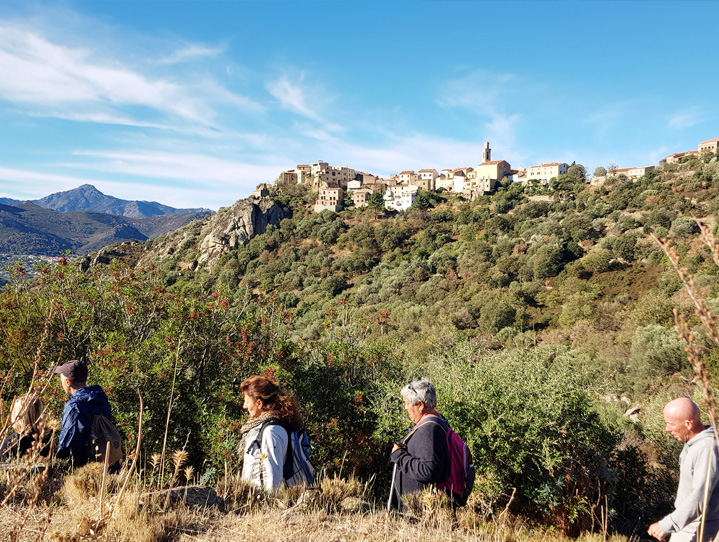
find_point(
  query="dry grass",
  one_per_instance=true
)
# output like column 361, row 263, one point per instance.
column 184, row 524
column 329, row 513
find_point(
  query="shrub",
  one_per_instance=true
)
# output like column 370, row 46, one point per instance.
column 529, row 426
column 684, row 225
column 656, row 353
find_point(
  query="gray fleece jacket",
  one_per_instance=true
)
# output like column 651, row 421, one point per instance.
column 698, row 455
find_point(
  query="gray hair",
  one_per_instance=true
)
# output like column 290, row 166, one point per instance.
column 420, row 390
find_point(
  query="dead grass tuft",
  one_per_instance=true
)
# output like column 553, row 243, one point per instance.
column 240, row 496
column 85, row 483
column 339, row 494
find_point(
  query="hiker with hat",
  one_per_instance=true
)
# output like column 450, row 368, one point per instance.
column 84, row 403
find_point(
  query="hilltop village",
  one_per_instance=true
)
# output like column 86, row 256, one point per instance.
column 335, row 185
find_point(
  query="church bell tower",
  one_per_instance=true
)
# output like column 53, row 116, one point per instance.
column 486, row 153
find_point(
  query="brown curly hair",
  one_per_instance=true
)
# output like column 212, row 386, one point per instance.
column 280, row 403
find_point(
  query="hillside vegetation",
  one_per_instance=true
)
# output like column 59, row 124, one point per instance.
column 27, row 228
column 541, row 316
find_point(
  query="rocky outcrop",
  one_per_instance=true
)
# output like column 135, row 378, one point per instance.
column 201, row 242
column 235, row 226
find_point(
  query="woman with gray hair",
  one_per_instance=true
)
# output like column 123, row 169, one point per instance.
column 422, row 458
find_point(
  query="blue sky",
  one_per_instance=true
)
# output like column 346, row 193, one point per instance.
column 193, row 103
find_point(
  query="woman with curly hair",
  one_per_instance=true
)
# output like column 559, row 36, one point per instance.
column 273, row 412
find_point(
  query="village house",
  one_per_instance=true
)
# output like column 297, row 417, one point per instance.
column 630, row 172
column 400, row 198
column 427, row 178
column 287, row 177
column 636, row 172
column 262, row 191
column 459, row 179
column 331, row 198
column 546, row 172
column 445, row 180
column 517, row 175
column 367, row 178
column 407, row 177
column 377, row 185
column 677, row 156
column 354, row 185
column 360, row 197
column 711, row 146
column 488, row 174
column 304, row 173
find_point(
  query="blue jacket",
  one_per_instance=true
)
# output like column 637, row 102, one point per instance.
column 77, row 416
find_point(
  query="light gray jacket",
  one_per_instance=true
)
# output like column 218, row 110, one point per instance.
column 264, row 461
column 698, row 456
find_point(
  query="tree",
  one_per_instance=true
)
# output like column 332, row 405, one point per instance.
column 375, row 203
column 577, row 173
column 422, row 200
column 600, row 172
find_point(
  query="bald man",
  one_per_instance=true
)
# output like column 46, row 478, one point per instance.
column 697, row 463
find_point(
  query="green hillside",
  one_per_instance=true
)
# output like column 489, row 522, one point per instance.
column 521, row 265
column 27, row 228
column 542, row 314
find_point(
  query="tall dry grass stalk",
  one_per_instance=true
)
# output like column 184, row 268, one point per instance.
column 709, row 323
column 27, row 475
column 169, row 405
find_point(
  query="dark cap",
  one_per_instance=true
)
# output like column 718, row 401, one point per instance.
column 75, row 370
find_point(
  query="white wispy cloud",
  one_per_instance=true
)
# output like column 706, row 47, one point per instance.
column 608, row 116
column 686, row 118
column 480, row 91
column 294, row 96
column 190, row 168
column 73, row 81
column 192, row 51
column 207, row 182
column 501, row 130
column 291, row 96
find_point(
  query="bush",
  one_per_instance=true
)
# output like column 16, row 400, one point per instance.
column 529, row 426
column 657, row 352
column 685, row 225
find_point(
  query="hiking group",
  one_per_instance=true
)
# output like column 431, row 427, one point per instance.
column 275, row 448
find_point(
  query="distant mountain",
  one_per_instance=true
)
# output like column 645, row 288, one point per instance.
column 89, row 198
column 27, row 228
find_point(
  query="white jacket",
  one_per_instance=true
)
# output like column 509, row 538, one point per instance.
column 263, row 464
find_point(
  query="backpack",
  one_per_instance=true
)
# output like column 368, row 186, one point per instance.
column 104, row 433
column 298, row 468
column 460, row 481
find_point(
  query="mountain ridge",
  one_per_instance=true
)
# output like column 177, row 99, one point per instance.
column 88, row 198
column 28, row 228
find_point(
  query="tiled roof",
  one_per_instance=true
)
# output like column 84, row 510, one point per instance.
column 709, row 141
column 426, row 170
column 407, row 173
column 549, row 165
column 620, row 170
column 491, row 163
